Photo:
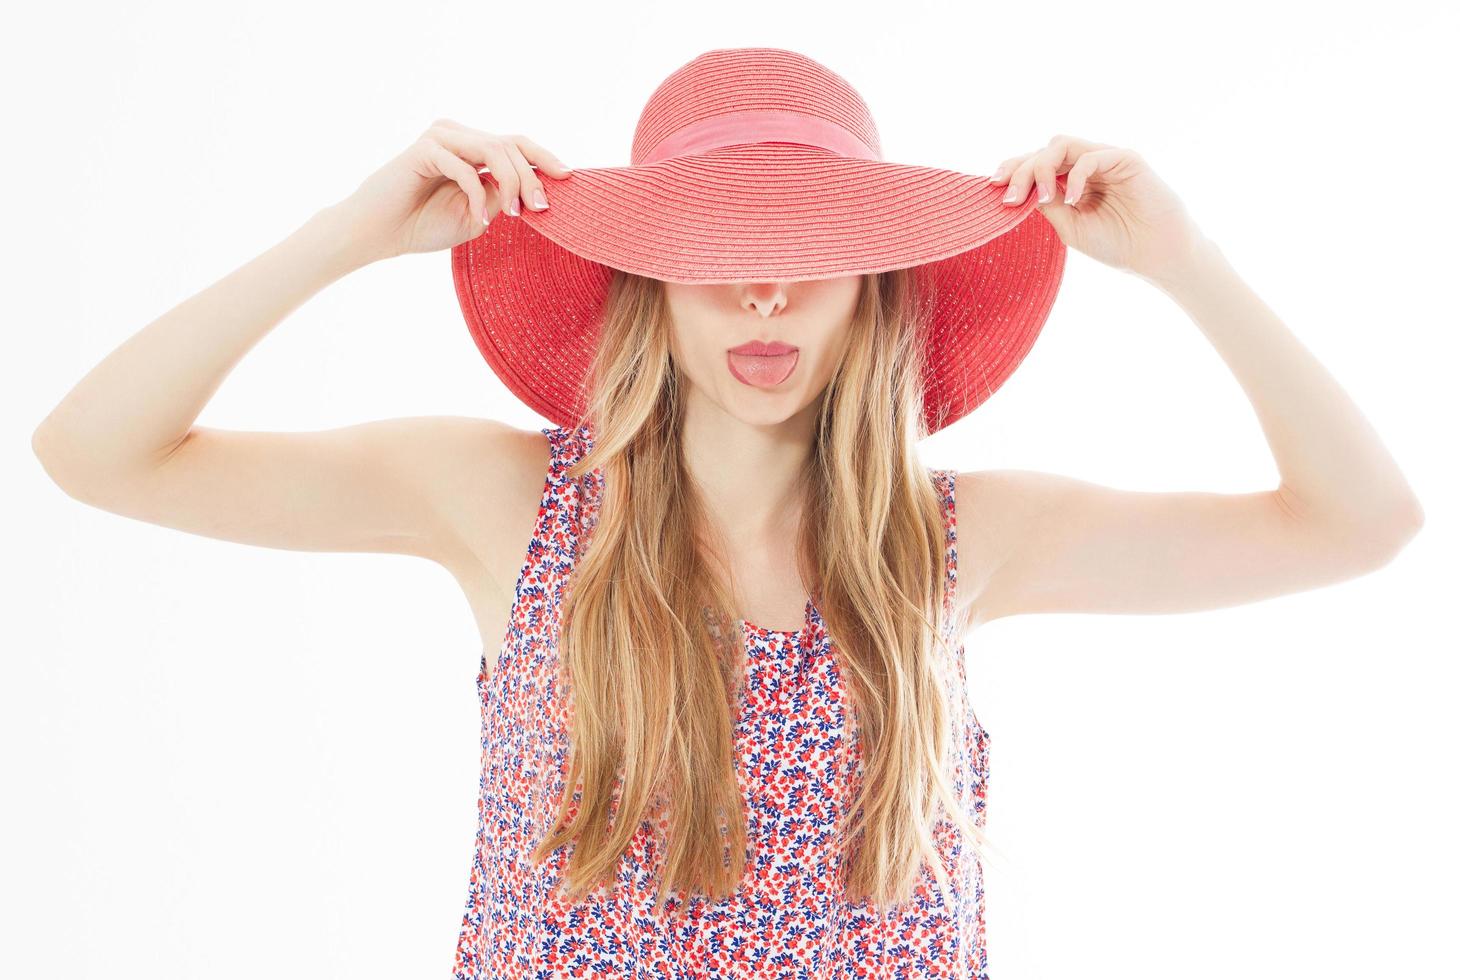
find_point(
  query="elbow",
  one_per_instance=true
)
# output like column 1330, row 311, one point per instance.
column 1413, row 516
column 1365, row 538
column 1411, row 519
column 1382, row 540
column 46, row 445
column 85, row 472
column 49, row 447
column 65, row 462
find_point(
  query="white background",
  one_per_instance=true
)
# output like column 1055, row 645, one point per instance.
column 227, row 761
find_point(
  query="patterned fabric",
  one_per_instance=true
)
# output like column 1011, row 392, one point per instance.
column 797, row 762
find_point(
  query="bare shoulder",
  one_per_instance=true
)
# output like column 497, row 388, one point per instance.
column 488, row 489
column 997, row 510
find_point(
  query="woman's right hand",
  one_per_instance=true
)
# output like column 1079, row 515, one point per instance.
column 431, row 196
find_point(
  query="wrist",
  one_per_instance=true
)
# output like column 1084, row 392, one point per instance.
column 340, row 242
column 1197, row 263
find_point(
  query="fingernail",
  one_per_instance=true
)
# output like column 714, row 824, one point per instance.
column 1044, row 197
column 1069, row 198
column 485, row 218
column 1009, row 197
column 512, row 207
column 539, row 199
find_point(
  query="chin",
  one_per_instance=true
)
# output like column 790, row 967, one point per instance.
column 759, row 408
column 768, row 409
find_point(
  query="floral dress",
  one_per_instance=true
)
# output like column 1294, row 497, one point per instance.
column 798, row 766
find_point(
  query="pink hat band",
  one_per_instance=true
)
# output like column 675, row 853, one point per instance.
column 761, row 126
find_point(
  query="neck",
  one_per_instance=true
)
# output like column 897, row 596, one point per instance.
column 750, row 475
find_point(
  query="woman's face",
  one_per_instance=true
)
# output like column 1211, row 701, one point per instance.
column 711, row 320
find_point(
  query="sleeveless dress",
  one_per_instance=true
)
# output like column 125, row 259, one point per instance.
column 798, row 766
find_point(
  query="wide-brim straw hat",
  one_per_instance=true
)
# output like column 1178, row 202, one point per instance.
column 760, row 164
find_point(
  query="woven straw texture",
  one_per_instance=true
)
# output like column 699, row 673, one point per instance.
column 731, row 179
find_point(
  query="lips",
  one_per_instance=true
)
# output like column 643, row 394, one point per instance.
column 760, row 348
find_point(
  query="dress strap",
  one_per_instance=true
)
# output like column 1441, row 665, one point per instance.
column 946, row 481
column 575, row 500
column 569, row 443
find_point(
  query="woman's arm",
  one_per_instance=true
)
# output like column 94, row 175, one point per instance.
column 124, row 437
column 1045, row 543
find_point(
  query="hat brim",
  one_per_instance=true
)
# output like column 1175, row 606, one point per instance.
column 531, row 287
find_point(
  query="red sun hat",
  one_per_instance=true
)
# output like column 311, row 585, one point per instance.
column 759, row 164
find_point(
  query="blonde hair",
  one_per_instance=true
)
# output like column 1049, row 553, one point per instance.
column 653, row 684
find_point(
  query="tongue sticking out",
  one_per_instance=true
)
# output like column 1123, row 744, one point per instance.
column 763, row 371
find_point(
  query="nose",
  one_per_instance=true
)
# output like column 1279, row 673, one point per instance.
column 764, row 298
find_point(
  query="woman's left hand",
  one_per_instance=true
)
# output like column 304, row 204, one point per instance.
column 1122, row 214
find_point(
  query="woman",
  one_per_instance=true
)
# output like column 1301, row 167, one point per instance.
column 745, row 462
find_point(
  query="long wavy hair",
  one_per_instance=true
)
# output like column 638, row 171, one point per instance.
column 654, row 684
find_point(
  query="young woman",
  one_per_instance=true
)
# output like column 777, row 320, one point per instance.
column 742, row 461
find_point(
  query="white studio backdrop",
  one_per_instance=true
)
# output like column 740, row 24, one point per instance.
column 227, row 761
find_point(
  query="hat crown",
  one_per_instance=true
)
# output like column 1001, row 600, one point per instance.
column 740, row 95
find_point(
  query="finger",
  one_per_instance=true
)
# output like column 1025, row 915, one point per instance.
column 1096, row 161
column 1066, row 149
column 1043, row 170
column 1062, row 151
column 1020, row 180
column 499, row 165
column 1005, row 168
column 483, row 149
column 532, row 192
column 534, row 152
column 464, row 174
column 1058, row 156
column 542, row 158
